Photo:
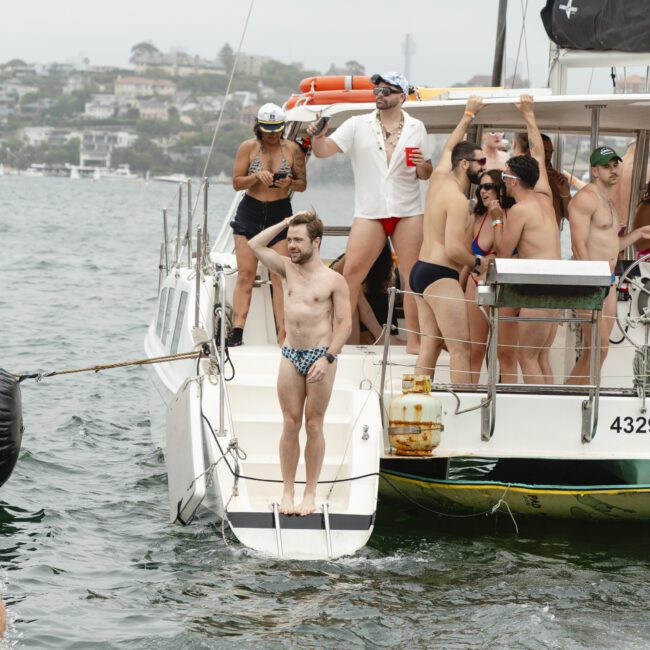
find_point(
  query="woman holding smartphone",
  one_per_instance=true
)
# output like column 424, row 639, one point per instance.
column 268, row 167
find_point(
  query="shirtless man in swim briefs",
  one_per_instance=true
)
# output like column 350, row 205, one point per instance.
column 444, row 252
column 594, row 224
column 318, row 322
column 531, row 230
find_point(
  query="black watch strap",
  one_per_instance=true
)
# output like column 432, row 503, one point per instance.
column 330, row 357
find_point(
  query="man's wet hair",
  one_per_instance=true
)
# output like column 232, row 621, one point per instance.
column 462, row 151
column 312, row 221
column 545, row 138
column 526, row 168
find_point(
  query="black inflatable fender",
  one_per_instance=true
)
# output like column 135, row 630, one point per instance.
column 11, row 424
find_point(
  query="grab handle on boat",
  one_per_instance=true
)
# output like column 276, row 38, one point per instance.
column 278, row 534
column 328, row 531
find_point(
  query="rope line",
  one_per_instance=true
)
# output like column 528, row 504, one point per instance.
column 493, row 510
column 107, row 366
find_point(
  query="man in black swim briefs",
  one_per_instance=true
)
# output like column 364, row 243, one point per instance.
column 318, row 322
column 445, row 250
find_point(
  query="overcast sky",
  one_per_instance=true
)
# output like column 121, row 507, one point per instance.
column 454, row 39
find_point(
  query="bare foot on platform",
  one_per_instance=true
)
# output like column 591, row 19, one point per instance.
column 286, row 505
column 307, row 506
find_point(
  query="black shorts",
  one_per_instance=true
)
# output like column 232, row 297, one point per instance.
column 424, row 274
column 253, row 216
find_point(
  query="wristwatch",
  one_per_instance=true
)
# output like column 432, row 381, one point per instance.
column 330, row 357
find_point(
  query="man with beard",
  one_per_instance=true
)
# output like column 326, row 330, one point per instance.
column 387, row 188
column 318, row 322
column 444, row 252
column 594, row 226
column 530, row 231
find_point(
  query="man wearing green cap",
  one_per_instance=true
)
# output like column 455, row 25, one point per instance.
column 595, row 236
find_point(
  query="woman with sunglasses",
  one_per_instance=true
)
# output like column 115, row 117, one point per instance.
column 268, row 167
column 490, row 188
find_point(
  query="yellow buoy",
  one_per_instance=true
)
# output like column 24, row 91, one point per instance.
column 415, row 418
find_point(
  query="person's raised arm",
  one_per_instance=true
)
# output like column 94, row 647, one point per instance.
column 321, row 145
column 581, row 209
column 259, row 245
column 535, row 143
column 472, row 107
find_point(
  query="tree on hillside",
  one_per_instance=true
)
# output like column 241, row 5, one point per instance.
column 226, row 56
column 14, row 63
column 144, row 47
column 354, row 67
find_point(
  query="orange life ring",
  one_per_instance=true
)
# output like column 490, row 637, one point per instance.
column 347, row 82
column 330, row 97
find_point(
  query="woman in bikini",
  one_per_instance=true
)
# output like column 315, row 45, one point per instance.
column 269, row 168
column 490, row 187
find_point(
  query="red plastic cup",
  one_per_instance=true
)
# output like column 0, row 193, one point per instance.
column 407, row 155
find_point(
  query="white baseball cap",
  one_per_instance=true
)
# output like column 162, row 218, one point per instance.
column 270, row 118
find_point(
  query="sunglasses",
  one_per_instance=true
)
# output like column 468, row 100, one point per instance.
column 480, row 161
column 504, row 175
column 489, row 186
column 385, row 91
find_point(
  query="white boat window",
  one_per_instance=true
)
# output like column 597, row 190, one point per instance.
column 161, row 311
column 168, row 313
column 178, row 326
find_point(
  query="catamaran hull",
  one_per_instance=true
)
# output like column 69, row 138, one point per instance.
column 629, row 502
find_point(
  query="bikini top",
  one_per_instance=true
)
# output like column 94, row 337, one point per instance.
column 476, row 248
column 256, row 165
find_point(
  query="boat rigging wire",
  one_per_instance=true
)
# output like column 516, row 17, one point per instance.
column 225, row 101
column 522, row 37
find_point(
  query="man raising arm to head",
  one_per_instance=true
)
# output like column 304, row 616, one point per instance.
column 318, row 322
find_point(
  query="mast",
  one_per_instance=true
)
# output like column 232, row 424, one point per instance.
column 500, row 44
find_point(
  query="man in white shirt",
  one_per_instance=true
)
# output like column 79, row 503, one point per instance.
column 389, row 154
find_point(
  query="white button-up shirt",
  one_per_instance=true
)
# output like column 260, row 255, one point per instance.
column 382, row 190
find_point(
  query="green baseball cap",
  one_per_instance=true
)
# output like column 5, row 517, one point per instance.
column 602, row 155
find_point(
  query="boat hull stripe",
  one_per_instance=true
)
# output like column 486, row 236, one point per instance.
column 314, row 521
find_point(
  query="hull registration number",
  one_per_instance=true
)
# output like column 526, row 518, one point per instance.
column 629, row 424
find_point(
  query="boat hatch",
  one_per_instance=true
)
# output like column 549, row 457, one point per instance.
column 545, row 284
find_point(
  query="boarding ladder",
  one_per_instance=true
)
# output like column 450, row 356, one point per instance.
column 564, row 285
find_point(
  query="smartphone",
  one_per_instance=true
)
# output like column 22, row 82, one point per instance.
column 320, row 126
column 279, row 175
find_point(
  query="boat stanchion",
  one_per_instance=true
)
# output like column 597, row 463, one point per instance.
column 197, row 290
column 189, row 223
column 278, row 534
column 179, row 219
column 328, row 530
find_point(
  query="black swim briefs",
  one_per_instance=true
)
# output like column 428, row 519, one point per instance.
column 423, row 274
column 253, row 216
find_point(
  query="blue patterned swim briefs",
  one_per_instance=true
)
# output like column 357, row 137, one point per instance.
column 303, row 359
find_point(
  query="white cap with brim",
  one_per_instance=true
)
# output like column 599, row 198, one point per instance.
column 270, row 118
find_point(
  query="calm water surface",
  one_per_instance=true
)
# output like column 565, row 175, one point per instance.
column 89, row 560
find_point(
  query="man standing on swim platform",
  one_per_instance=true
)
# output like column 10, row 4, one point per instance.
column 445, row 250
column 318, row 322
column 389, row 153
